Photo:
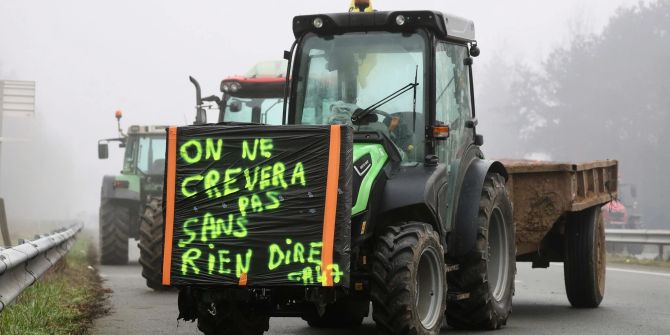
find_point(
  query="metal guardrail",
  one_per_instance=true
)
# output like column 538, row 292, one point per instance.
column 22, row 265
column 660, row 238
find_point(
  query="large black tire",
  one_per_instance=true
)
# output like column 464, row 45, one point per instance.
column 585, row 258
column 151, row 244
column 344, row 313
column 481, row 290
column 408, row 280
column 114, row 222
column 232, row 318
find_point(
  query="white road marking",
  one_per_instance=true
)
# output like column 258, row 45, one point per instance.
column 640, row 272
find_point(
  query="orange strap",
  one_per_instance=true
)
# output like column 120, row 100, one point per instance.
column 243, row 279
column 170, row 179
column 331, row 206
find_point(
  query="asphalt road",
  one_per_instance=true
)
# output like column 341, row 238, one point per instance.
column 637, row 301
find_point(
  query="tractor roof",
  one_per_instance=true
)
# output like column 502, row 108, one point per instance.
column 443, row 25
column 147, row 130
column 259, row 87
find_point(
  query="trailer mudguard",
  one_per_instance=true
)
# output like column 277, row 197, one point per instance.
column 464, row 233
column 401, row 193
column 128, row 189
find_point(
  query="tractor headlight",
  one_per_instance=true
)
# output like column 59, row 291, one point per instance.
column 234, row 87
column 225, row 87
column 400, row 20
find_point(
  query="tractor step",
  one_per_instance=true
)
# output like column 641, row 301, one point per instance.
column 453, row 267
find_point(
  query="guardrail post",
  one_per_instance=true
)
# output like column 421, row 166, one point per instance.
column 660, row 252
column 3, row 225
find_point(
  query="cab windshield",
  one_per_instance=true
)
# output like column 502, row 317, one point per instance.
column 341, row 73
column 266, row 111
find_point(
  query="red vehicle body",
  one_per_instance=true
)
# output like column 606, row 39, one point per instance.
column 615, row 215
column 623, row 214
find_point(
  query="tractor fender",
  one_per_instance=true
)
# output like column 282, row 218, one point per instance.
column 132, row 192
column 414, row 193
column 463, row 236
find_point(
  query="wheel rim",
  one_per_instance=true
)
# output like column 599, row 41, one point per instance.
column 429, row 291
column 498, row 255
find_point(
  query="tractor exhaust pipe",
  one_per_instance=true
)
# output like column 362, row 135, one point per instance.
column 200, row 114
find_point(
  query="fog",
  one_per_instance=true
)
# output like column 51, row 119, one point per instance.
column 90, row 58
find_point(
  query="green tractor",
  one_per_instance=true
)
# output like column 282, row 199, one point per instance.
column 431, row 219
column 124, row 196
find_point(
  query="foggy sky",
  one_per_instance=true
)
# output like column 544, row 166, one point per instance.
column 90, row 58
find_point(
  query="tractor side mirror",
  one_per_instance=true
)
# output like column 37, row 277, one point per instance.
column 103, row 150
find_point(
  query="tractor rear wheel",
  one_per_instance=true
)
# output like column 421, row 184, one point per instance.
column 344, row 313
column 151, row 243
column 585, row 257
column 481, row 290
column 408, row 280
column 114, row 222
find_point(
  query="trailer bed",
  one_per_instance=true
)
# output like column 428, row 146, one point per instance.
column 543, row 193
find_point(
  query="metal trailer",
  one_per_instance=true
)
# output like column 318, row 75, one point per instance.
column 557, row 219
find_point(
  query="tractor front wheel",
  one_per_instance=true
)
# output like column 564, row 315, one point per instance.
column 408, row 280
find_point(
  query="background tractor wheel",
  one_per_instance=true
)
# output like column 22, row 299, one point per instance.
column 151, row 244
column 584, row 267
column 344, row 313
column 114, row 221
column 481, row 290
column 408, row 280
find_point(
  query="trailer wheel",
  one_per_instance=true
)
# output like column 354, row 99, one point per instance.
column 114, row 221
column 151, row 244
column 408, row 280
column 481, row 290
column 344, row 313
column 231, row 318
column 585, row 256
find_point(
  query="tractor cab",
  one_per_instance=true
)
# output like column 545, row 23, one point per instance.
column 143, row 159
column 145, row 151
column 402, row 75
column 255, row 97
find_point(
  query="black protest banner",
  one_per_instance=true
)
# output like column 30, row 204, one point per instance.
column 258, row 205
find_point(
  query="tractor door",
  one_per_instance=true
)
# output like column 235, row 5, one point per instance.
column 452, row 98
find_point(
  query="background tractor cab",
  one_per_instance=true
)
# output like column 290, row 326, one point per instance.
column 255, row 97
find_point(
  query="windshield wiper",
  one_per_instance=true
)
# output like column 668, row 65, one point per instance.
column 359, row 114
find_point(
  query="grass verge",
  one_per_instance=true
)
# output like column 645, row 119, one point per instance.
column 617, row 259
column 64, row 301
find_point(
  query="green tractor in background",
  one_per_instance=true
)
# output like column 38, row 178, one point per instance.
column 123, row 197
